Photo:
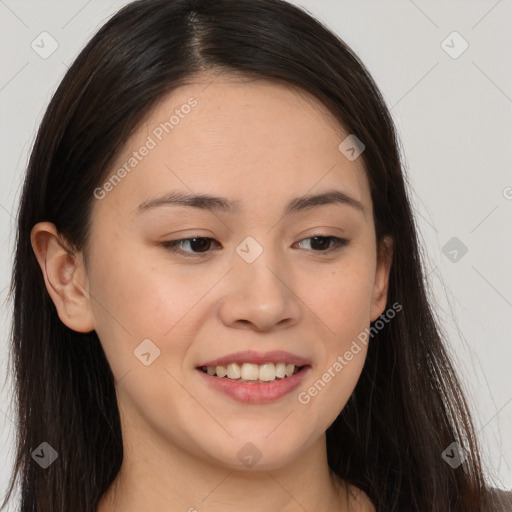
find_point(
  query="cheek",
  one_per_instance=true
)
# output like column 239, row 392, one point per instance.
column 327, row 392
column 137, row 299
column 341, row 300
column 341, row 297
column 146, row 299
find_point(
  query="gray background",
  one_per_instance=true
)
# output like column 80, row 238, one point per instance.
column 454, row 119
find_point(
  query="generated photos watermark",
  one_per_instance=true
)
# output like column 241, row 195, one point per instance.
column 157, row 135
column 304, row 397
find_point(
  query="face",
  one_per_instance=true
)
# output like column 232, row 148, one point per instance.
column 173, row 288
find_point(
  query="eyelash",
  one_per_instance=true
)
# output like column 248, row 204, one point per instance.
column 171, row 245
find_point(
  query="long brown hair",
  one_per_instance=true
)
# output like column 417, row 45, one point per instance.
column 407, row 407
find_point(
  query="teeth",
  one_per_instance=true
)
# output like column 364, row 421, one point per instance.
column 233, row 371
column 267, row 372
column 249, row 371
column 281, row 370
column 220, row 371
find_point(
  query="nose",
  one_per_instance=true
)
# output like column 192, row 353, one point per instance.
column 260, row 296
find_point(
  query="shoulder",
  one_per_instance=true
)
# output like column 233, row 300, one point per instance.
column 500, row 500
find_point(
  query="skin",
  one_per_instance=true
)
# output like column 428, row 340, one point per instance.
column 262, row 144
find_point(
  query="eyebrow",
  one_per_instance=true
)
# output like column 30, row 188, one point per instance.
column 222, row 204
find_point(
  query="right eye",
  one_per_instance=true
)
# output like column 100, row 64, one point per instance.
column 201, row 244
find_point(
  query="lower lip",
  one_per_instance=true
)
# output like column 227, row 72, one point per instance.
column 256, row 393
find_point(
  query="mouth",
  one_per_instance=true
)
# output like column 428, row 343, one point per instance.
column 251, row 383
column 252, row 373
column 254, row 377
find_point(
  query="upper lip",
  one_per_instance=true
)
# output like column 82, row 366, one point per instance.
column 251, row 356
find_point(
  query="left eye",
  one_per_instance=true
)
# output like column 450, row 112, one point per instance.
column 200, row 245
column 319, row 240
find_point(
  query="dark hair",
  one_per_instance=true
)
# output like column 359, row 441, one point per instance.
column 407, row 407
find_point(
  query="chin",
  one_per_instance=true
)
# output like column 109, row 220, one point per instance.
column 255, row 453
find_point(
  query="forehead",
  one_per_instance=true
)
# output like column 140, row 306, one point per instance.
column 258, row 142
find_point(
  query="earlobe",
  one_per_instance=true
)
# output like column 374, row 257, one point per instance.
column 381, row 284
column 64, row 276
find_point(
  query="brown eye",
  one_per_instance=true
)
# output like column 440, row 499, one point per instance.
column 199, row 245
column 322, row 243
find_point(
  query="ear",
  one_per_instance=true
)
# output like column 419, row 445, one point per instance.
column 381, row 285
column 65, row 277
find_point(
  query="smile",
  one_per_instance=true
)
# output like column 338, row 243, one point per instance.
column 254, row 391
column 250, row 372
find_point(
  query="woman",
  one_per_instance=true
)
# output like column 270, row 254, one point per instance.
column 218, row 293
